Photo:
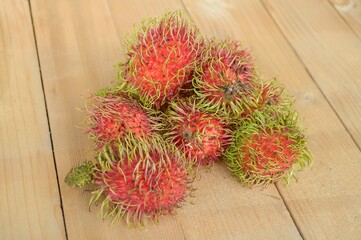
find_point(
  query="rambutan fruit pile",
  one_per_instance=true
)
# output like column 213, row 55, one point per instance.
column 181, row 102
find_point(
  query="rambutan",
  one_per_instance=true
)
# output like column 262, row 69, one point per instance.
column 114, row 117
column 181, row 101
column 268, row 147
column 201, row 136
column 226, row 82
column 162, row 54
column 143, row 180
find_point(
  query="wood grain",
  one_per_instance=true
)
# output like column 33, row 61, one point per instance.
column 351, row 12
column 326, row 202
column 79, row 41
column 29, row 198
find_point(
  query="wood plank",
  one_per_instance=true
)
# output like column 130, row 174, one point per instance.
column 29, row 197
column 329, row 50
column 326, row 201
column 351, row 12
column 78, row 44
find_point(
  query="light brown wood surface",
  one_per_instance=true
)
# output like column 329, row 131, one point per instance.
column 351, row 12
column 316, row 56
column 29, row 197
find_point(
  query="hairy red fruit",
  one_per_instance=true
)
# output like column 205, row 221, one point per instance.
column 113, row 118
column 201, row 136
column 268, row 147
column 162, row 58
column 229, row 64
column 273, row 153
column 145, row 193
column 144, row 180
column 226, row 81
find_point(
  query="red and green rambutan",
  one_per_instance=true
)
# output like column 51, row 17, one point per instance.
column 268, row 147
column 226, row 82
column 141, row 181
column 115, row 117
column 163, row 53
column 201, row 136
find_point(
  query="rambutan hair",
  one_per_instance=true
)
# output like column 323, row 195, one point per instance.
column 269, row 146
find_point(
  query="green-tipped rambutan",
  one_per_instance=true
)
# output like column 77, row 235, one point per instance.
column 268, row 147
column 162, row 54
column 113, row 118
column 226, row 82
column 201, row 136
column 142, row 180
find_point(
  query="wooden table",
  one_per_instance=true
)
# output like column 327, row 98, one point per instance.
column 53, row 53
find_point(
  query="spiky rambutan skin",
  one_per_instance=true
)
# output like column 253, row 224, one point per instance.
column 268, row 147
column 273, row 153
column 226, row 81
column 115, row 117
column 143, row 180
column 162, row 54
column 201, row 136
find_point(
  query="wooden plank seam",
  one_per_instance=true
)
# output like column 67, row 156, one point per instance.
column 47, row 117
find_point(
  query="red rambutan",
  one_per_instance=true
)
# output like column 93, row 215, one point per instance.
column 144, row 180
column 226, row 82
column 162, row 57
column 114, row 117
column 268, row 147
column 201, row 136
